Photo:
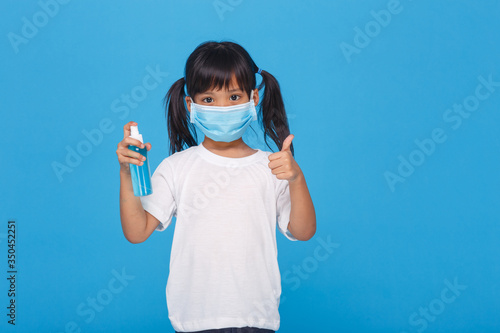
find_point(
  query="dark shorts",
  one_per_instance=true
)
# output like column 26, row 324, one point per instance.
column 235, row 330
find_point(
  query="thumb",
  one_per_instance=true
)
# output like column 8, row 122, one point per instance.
column 287, row 142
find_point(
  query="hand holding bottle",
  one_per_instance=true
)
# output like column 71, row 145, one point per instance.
column 134, row 219
column 133, row 152
column 125, row 155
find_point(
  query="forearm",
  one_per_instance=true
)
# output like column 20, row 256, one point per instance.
column 302, row 215
column 132, row 214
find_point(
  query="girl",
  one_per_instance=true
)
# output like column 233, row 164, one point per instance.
column 227, row 197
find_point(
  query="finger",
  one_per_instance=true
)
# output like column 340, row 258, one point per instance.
column 287, row 142
column 279, row 166
column 128, row 153
column 277, row 170
column 130, row 160
column 275, row 156
column 282, row 176
column 126, row 128
column 275, row 164
column 130, row 141
column 148, row 146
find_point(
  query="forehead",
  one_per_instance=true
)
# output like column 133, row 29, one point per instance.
column 232, row 85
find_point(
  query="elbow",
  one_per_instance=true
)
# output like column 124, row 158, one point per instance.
column 134, row 240
column 304, row 234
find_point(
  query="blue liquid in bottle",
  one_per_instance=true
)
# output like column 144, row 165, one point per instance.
column 140, row 175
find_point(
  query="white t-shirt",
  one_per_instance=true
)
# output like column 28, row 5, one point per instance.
column 223, row 266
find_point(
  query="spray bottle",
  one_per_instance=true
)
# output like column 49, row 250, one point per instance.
column 141, row 177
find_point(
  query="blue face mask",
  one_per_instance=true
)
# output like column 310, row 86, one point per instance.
column 224, row 123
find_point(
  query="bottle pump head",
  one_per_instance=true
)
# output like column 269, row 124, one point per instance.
column 134, row 133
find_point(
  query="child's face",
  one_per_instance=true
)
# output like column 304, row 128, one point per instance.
column 233, row 95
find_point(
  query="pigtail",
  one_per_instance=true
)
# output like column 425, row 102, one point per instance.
column 178, row 123
column 274, row 119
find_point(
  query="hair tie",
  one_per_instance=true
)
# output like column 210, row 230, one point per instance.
column 259, row 71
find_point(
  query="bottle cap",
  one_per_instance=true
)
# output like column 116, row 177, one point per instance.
column 134, row 133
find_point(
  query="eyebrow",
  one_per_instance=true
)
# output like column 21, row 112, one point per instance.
column 210, row 93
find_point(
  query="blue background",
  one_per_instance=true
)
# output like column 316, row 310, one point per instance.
column 355, row 118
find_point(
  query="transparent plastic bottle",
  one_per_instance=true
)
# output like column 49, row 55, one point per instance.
column 141, row 177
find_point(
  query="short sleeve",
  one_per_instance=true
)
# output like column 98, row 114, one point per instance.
column 161, row 203
column 283, row 208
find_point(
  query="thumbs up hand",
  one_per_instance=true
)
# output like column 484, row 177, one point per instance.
column 282, row 163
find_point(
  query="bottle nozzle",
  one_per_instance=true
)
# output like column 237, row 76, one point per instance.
column 134, row 133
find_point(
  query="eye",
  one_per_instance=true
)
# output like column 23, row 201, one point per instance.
column 207, row 100
column 235, row 97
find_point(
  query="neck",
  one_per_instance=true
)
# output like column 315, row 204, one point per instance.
column 236, row 148
column 219, row 145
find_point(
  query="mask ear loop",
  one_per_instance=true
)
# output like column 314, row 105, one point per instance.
column 252, row 107
column 193, row 110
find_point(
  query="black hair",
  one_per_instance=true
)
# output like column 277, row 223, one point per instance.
column 211, row 66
